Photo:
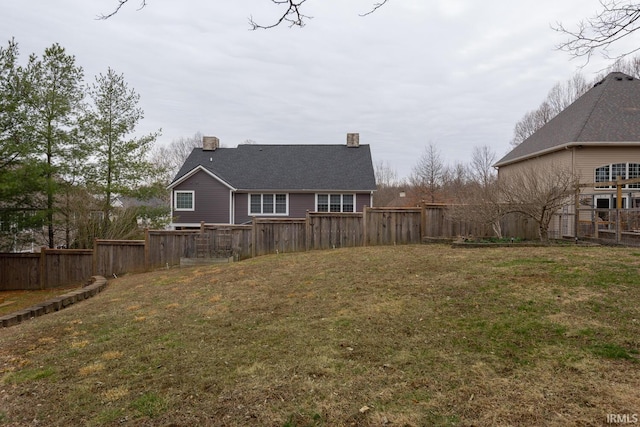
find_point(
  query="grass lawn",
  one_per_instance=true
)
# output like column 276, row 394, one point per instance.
column 402, row 336
column 11, row 301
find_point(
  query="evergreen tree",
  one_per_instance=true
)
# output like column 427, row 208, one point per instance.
column 119, row 164
column 54, row 95
column 19, row 173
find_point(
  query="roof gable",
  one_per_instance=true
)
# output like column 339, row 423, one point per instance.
column 607, row 113
column 286, row 167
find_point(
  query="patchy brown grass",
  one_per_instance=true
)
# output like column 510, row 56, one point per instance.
column 412, row 335
column 11, row 301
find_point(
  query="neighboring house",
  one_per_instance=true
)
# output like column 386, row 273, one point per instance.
column 597, row 138
column 233, row 185
column 151, row 213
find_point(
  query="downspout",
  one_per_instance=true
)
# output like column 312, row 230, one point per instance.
column 173, row 227
column 232, row 215
column 618, row 209
column 576, row 202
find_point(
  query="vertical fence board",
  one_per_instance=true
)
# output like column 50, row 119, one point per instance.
column 116, row 257
column 19, row 271
column 394, row 226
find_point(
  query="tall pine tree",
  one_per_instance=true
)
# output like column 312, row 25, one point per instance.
column 119, row 161
column 54, row 96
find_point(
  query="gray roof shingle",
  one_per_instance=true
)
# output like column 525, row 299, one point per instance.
column 607, row 113
column 287, row 167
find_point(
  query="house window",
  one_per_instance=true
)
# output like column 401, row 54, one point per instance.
column 618, row 170
column 281, row 203
column 183, row 200
column 335, row 202
column 611, row 172
column 268, row 204
column 609, row 202
column 96, row 215
column 634, row 173
column 602, row 174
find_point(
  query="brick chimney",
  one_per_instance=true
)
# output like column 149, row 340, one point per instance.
column 353, row 140
column 210, row 143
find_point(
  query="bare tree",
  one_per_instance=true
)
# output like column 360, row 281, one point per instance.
column 530, row 123
column 455, row 181
column 482, row 204
column 538, row 192
column 559, row 97
column 627, row 65
column 481, row 169
column 617, row 20
column 171, row 158
column 387, row 189
column 427, row 175
column 292, row 15
column 385, row 175
column 564, row 94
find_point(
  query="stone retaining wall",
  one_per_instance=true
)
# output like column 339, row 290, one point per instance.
column 96, row 285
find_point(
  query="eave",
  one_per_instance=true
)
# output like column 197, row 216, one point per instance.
column 566, row 147
column 195, row 170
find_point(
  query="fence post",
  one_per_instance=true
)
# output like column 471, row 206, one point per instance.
column 618, row 208
column 254, row 237
column 423, row 222
column 307, row 231
column 147, row 262
column 365, row 221
column 94, row 258
column 576, row 211
column 43, row 267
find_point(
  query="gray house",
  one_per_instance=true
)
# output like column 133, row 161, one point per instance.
column 233, row 185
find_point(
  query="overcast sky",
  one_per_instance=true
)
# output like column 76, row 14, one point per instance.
column 455, row 73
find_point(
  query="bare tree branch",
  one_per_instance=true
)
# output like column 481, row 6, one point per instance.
column 121, row 3
column 292, row 15
column 376, row 6
column 617, row 20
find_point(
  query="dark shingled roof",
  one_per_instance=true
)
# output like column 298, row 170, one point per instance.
column 608, row 113
column 287, row 167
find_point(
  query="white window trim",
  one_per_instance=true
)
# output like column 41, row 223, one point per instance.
column 355, row 208
column 612, row 201
column 286, row 213
column 193, row 201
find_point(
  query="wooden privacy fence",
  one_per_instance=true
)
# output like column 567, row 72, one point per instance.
column 164, row 248
column 51, row 268
column 115, row 257
column 333, row 230
column 272, row 236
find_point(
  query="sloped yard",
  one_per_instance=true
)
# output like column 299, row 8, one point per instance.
column 406, row 335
